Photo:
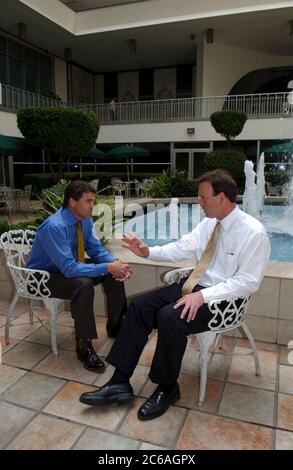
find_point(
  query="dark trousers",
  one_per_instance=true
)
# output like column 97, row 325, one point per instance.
column 80, row 291
column 155, row 310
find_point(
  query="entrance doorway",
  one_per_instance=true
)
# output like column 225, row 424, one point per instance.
column 190, row 160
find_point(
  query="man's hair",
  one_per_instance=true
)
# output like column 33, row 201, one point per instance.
column 221, row 182
column 75, row 190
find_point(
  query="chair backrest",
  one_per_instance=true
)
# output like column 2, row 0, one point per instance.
column 229, row 316
column 225, row 316
column 28, row 190
column 116, row 180
column 95, row 184
column 29, row 283
column 17, row 242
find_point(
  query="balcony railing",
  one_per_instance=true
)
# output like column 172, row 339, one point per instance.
column 12, row 99
column 263, row 105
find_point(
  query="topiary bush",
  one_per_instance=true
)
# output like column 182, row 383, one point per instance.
column 67, row 132
column 228, row 123
column 230, row 160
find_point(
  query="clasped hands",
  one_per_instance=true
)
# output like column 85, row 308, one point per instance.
column 120, row 270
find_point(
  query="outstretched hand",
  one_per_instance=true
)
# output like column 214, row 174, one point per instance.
column 134, row 244
column 192, row 302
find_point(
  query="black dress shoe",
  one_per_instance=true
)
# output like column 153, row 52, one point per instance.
column 117, row 393
column 158, row 403
column 113, row 327
column 88, row 356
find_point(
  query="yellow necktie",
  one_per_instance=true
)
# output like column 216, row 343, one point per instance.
column 80, row 245
column 203, row 263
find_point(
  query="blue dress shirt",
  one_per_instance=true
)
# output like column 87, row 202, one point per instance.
column 55, row 247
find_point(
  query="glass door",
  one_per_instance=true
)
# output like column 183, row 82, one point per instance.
column 183, row 161
column 198, row 167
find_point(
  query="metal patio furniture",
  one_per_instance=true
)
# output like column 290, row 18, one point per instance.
column 224, row 320
column 30, row 284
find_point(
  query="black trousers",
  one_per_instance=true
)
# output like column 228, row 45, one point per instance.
column 156, row 310
column 80, row 291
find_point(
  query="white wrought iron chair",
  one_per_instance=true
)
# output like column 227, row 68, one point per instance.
column 30, row 284
column 233, row 316
column 95, row 184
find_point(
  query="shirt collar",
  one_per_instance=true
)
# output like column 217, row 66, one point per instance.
column 68, row 216
column 230, row 218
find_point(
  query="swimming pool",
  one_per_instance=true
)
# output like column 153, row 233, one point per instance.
column 162, row 226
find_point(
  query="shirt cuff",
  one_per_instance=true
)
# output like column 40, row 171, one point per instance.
column 102, row 269
column 207, row 294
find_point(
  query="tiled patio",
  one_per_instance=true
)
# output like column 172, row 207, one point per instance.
column 39, row 392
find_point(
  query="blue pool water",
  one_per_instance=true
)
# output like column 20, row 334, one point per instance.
column 158, row 227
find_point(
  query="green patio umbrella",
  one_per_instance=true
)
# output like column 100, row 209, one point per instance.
column 96, row 153
column 12, row 146
column 128, row 152
column 285, row 147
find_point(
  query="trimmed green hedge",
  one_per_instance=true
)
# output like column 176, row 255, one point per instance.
column 65, row 131
column 230, row 160
column 228, row 123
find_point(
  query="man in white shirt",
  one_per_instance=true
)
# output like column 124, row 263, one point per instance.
column 235, row 269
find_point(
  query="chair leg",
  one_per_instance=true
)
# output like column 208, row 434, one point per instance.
column 205, row 340
column 10, row 316
column 52, row 306
column 253, row 347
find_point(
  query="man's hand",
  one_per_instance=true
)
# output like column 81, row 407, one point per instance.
column 120, row 270
column 192, row 302
column 134, row 244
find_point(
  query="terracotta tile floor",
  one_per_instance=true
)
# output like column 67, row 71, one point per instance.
column 37, row 391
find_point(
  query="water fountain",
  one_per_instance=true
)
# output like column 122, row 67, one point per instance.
column 249, row 196
column 253, row 197
column 260, row 184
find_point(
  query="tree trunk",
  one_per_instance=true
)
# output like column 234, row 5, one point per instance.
column 60, row 168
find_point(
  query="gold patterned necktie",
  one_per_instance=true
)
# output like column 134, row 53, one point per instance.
column 80, row 244
column 203, row 263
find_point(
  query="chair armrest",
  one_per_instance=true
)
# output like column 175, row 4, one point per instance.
column 30, row 283
column 177, row 274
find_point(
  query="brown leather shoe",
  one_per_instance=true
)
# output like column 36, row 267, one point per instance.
column 88, row 356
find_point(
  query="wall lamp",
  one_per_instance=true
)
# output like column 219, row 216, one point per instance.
column 132, row 46
column 21, row 30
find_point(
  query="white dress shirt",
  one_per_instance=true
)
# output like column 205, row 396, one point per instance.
column 240, row 258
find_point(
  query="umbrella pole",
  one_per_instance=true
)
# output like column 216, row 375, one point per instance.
column 127, row 170
column 3, row 171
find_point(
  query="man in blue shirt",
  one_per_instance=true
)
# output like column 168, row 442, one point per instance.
column 55, row 249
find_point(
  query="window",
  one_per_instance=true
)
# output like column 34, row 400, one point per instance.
column 110, row 86
column 184, row 81
column 146, row 84
column 25, row 68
